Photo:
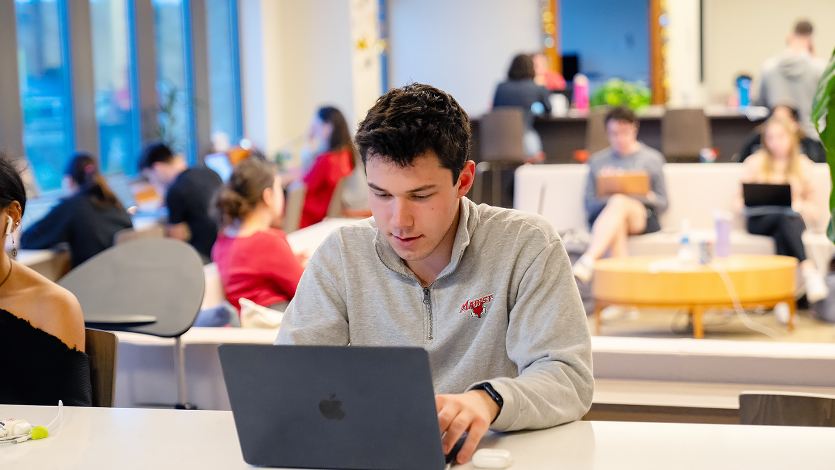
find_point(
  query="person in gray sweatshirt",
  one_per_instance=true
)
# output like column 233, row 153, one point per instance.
column 792, row 76
column 613, row 218
column 488, row 292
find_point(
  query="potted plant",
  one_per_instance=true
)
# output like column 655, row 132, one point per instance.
column 823, row 115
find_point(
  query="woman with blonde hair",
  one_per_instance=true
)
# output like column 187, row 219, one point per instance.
column 779, row 161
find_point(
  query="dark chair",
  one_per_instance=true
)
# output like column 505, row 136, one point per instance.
column 150, row 286
column 777, row 409
column 336, row 207
column 684, row 133
column 293, row 209
column 502, row 141
column 596, row 138
column 102, row 347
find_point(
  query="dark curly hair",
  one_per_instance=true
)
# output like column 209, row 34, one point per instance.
column 407, row 122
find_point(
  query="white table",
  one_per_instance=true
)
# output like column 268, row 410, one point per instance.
column 308, row 239
column 105, row 438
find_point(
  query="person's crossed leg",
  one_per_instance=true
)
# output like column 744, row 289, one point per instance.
column 622, row 216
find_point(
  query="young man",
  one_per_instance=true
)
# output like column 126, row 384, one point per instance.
column 188, row 194
column 487, row 292
column 612, row 219
column 792, row 76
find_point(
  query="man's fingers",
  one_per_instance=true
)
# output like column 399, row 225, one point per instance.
column 440, row 400
column 456, row 429
column 447, row 414
column 478, row 428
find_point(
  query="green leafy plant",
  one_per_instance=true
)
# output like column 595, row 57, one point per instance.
column 616, row 92
column 823, row 115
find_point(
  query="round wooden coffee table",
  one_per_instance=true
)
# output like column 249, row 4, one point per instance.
column 656, row 282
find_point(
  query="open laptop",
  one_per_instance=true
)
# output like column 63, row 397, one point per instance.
column 219, row 162
column 756, row 195
column 329, row 407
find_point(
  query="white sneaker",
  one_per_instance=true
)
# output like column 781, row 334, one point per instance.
column 816, row 288
column 583, row 269
column 616, row 312
column 782, row 313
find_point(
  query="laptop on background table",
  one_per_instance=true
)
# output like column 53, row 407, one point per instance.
column 333, row 407
column 757, row 195
column 220, row 163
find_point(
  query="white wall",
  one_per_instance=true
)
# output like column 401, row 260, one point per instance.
column 741, row 34
column 682, row 60
column 296, row 55
column 463, row 47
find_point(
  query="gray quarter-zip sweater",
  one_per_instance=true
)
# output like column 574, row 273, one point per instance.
column 506, row 310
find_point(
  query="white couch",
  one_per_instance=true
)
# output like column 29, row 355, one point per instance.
column 694, row 191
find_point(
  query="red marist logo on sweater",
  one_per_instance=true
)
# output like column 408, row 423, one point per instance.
column 477, row 307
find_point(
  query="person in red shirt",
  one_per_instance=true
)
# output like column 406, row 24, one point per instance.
column 329, row 132
column 253, row 258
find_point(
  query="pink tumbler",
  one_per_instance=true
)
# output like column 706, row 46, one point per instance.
column 581, row 92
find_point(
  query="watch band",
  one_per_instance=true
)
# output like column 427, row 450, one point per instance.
column 494, row 395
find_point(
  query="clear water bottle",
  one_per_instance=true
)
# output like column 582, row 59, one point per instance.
column 686, row 254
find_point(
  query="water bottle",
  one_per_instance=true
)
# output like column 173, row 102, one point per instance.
column 743, row 86
column 685, row 246
column 581, row 92
column 723, row 233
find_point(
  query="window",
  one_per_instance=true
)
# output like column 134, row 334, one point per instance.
column 224, row 78
column 174, row 77
column 116, row 110
column 43, row 66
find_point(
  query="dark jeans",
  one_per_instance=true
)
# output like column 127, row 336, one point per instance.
column 785, row 229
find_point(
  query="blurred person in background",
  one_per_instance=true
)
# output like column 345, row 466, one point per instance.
column 546, row 77
column 332, row 158
column 88, row 219
column 521, row 91
column 779, row 161
column 614, row 218
column 792, row 76
column 810, row 147
column 253, row 257
column 188, row 194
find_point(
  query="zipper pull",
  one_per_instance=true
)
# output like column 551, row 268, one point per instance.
column 426, row 295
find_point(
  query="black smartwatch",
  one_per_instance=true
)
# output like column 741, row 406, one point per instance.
column 493, row 394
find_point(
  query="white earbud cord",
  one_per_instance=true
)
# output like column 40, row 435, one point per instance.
column 27, row 436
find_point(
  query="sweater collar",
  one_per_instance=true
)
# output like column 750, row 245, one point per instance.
column 467, row 222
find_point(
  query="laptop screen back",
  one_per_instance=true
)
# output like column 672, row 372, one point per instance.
column 333, row 407
column 219, row 162
column 756, row 195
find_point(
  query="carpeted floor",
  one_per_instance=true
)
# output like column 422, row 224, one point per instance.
column 719, row 324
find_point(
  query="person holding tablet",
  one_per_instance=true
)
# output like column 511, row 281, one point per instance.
column 488, row 292
column 613, row 218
